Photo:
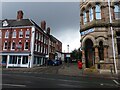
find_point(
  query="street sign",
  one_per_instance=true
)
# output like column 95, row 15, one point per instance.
column 87, row 31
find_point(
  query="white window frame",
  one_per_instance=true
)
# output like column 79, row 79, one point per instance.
column 39, row 36
column 25, row 45
column 35, row 47
column 14, row 34
column 38, row 48
column 36, row 35
column 0, row 34
column 20, row 32
column 41, row 49
column 4, row 45
column 12, row 45
column 7, row 34
column 27, row 33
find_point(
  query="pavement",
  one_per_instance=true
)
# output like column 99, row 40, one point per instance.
column 70, row 69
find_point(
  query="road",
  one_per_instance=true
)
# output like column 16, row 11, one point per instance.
column 40, row 80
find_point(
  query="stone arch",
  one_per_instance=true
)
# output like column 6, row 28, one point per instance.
column 101, row 39
column 88, row 37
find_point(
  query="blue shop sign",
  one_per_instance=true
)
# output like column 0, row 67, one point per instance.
column 87, row 31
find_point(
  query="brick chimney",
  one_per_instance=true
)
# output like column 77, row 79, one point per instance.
column 19, row 14
column 48, row 30
column 43, row 25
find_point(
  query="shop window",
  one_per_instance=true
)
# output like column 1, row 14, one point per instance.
column 25, row 60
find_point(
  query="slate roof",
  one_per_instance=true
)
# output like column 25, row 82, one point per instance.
column 16, row 23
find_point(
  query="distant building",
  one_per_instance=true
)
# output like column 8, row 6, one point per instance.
column 96, row 37
column 23, row 42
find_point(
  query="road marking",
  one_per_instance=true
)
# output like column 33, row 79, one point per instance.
column 116, row 82
column 14, row 85
column 67, row 85
column 101, row 84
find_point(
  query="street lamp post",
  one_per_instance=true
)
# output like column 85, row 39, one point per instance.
column 115, row 67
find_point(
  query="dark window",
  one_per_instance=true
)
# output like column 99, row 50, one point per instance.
column 13, row 60
column 101, row 52
column 25, row 60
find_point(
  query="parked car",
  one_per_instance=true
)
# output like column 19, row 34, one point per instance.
column 57, row 62
column 50, row 62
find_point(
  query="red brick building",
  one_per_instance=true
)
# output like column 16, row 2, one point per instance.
column 23, row 42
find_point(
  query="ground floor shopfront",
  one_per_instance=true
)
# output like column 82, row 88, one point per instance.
column 22, row 60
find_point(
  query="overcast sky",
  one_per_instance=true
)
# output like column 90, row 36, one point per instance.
column 62, row 17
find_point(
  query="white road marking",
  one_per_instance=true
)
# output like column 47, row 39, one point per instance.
column 67, row 85
column 14, row 85
column 116, row 82
column 101, row 84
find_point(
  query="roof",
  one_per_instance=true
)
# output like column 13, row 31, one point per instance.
column 15, row 23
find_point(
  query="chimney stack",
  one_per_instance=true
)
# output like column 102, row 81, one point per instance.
column 48, row 30
column 43, row 25
column 19, row 14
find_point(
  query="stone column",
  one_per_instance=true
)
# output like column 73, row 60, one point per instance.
column 105, row 56
column 87, row 13
column 83, row 58
column 81, row 16
column 96, row 57
column 105, row 53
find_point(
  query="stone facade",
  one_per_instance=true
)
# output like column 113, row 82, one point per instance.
column 96, row 37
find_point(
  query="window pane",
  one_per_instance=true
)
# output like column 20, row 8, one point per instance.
column 117, row 11
column 91, row 14
column 14, row 34
column 20, row 33
column 98, row 12
column 85, row 18
column 27, row 33
column 25, row 60
column 0, row 34
column 7, row 34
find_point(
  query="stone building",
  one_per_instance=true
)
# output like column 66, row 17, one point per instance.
column 96, row 38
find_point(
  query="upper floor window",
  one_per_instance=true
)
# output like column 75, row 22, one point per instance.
column 7, row 34
column 20, row 34
column 27, row 34
column 39, row 36
column 0, row 34
column 117, row 11
column 13, row 45
column 26, row 45
column 35, row 47
column 98, row 12
column 5, row 45
column 14, row 34
column 36, row 35
column 85, row 17
column 38, row 48
column 91, row 14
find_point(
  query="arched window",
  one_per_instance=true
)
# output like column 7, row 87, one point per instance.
column 98, row 12
column 91, row 14
column 85, row 17
column 117, row 11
